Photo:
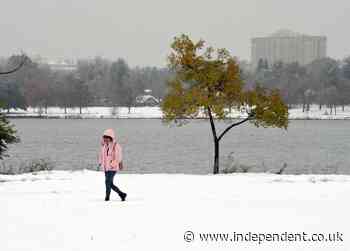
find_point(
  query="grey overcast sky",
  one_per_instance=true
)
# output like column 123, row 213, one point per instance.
column 141, row 31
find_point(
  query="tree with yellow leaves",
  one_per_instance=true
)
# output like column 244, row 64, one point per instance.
column 209, row 80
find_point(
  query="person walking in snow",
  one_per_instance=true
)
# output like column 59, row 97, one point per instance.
column 110, row 161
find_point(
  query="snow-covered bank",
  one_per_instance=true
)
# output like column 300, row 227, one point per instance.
column 62, row 210
column 89, row 112
column 155, row 112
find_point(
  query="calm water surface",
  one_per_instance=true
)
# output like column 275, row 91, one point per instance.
column 152, row 147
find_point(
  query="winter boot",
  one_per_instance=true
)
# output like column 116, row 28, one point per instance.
column 123, row 196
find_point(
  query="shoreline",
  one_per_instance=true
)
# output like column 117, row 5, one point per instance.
column 237, row 174
column 12, row 116
column 155, row 112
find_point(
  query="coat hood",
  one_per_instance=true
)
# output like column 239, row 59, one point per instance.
column 110, row 133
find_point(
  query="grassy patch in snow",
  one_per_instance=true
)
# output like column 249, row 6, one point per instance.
column 32, row 166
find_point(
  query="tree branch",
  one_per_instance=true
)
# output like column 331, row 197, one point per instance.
column 233, row 125
column 16, row 68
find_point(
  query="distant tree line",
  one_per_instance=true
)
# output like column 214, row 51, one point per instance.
column 95, row 82
column 325, row 82
column 101, row 82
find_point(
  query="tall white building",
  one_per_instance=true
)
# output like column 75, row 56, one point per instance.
column 288, row 47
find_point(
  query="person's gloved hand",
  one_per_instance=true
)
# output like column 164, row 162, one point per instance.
column 99, row 167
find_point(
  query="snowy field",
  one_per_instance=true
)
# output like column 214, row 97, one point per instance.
column 155, row 112
column 62, row 210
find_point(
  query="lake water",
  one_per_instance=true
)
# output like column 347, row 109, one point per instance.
column 308, row 146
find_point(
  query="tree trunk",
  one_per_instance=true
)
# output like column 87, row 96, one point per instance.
column 217, row 138
column 80, row 109
column 216, row 157
column 216, row 142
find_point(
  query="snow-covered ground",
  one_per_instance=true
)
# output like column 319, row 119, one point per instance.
column 155, row 112
column 62, row 210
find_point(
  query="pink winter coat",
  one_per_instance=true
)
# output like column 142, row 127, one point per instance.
column 106, row 155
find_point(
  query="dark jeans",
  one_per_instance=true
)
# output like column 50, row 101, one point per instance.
column 109, row 176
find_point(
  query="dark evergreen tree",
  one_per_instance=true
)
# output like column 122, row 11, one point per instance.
column 7, row 131
column 7, row 135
